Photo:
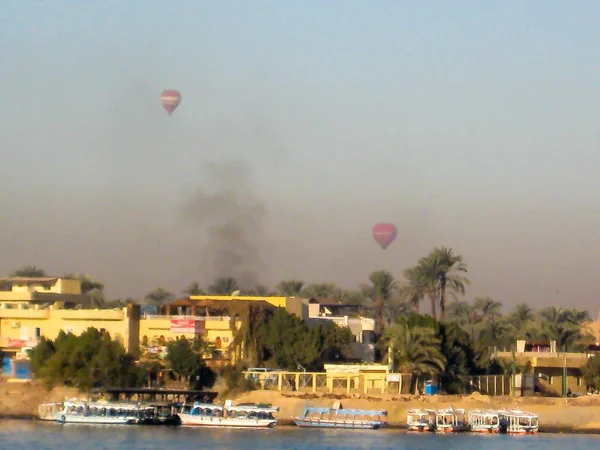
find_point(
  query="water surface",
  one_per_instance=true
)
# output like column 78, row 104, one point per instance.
column 31, row 435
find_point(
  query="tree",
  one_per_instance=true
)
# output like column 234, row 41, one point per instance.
column 444, row 273
column 290, row 288
column 94, row 289
column 184, row 356
column 414, row 287
column 87, row 361
column 380, row 290
column 194, row 289
column 487, row 309
column 320, row 291
column 224, row 286
column 29, row 272
column 414, row 350
column 159, row 296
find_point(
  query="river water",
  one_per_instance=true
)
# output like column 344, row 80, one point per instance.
column 31, row 435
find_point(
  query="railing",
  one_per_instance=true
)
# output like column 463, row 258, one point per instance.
column 366, row 383
column 185, row 317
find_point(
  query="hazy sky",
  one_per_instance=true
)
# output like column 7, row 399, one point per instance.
column 469, row 124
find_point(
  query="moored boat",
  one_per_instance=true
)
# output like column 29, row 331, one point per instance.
column 338, row 417
column 84, row 412
column 245, row 415
column 451, row 420
column 487, row 421
column 420, row 420
column 520, row 422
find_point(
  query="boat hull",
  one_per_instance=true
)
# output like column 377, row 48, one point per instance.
column 421, row 428
column 361, row 425
column 220, row 422
column 94, row 420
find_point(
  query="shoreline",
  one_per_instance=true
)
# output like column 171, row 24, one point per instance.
column 19, row 401
column 287, row 424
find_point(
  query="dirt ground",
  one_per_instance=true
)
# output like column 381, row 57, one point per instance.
column 21, row 400
column 556, row 414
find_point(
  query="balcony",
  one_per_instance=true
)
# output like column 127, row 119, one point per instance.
column 24, row 313
column 90, row 314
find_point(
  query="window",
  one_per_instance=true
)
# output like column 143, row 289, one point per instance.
column 37, row 332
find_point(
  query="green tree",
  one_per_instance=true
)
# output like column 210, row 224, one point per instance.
column 487, row 309
column 184, row 357
column 414, row 350
column 159, row 296
column 380, row 290
column 414, row 287
column 290, row 288
column 194, row 289
column 29, row 272
column 87, row 361
column 320, row 291
column 94, row 289
column 224, row 286
column 444, row 273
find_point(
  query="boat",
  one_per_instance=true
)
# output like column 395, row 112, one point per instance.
column 421, row 420
column 158, row 414
column 520, row 422
column 244, row 415
column 338, row 417
column 487, row 421
column 84, row 412
column 451, row 420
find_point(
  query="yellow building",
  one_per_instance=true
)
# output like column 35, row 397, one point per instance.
column 211, row 318
column 550, row 371
column 34, row 307
column 32, row 293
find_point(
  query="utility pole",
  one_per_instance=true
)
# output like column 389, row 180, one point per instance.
column 564, row 377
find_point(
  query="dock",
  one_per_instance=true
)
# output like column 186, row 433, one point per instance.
column 150, row 395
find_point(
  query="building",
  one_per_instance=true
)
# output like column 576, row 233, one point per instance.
column 546, row 369
column 345, row 315
column 212, row 319
column 34, row 293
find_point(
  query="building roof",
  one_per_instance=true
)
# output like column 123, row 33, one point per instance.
column 32, row 279
column 331, row 304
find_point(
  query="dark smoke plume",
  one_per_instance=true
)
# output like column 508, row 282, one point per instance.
column 226, row 208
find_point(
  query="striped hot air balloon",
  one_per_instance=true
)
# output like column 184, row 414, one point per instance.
column 384, row 234
column 170, row 99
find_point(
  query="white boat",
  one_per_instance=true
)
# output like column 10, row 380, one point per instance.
column 84, row 412
column 339, row 417
column 245, row 415
column 487, row 421
column 451, row 420
column 421, row 420
column 520, row 422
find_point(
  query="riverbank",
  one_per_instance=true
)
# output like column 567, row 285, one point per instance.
column 557, row 415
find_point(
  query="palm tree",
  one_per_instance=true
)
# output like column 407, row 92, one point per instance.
column 521, row 315
column 258, row 290
column 414, row 350
column 565, row 327
column 194, row 289
column 461, row 312
column 223, row 286
column 487, row 308
column 290, row 288
column 320, row 291
column 444, row 270
column 414, row 288
column 380, row 290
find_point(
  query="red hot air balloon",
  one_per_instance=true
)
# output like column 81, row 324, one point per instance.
column 384, row 234
column 170, row 98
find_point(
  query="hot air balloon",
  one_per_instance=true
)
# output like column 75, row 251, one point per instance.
column 170, row 98
column 384, row 234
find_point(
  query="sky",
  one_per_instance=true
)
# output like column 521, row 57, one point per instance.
column 471, row 125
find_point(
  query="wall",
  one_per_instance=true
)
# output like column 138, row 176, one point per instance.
column 22, row 326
